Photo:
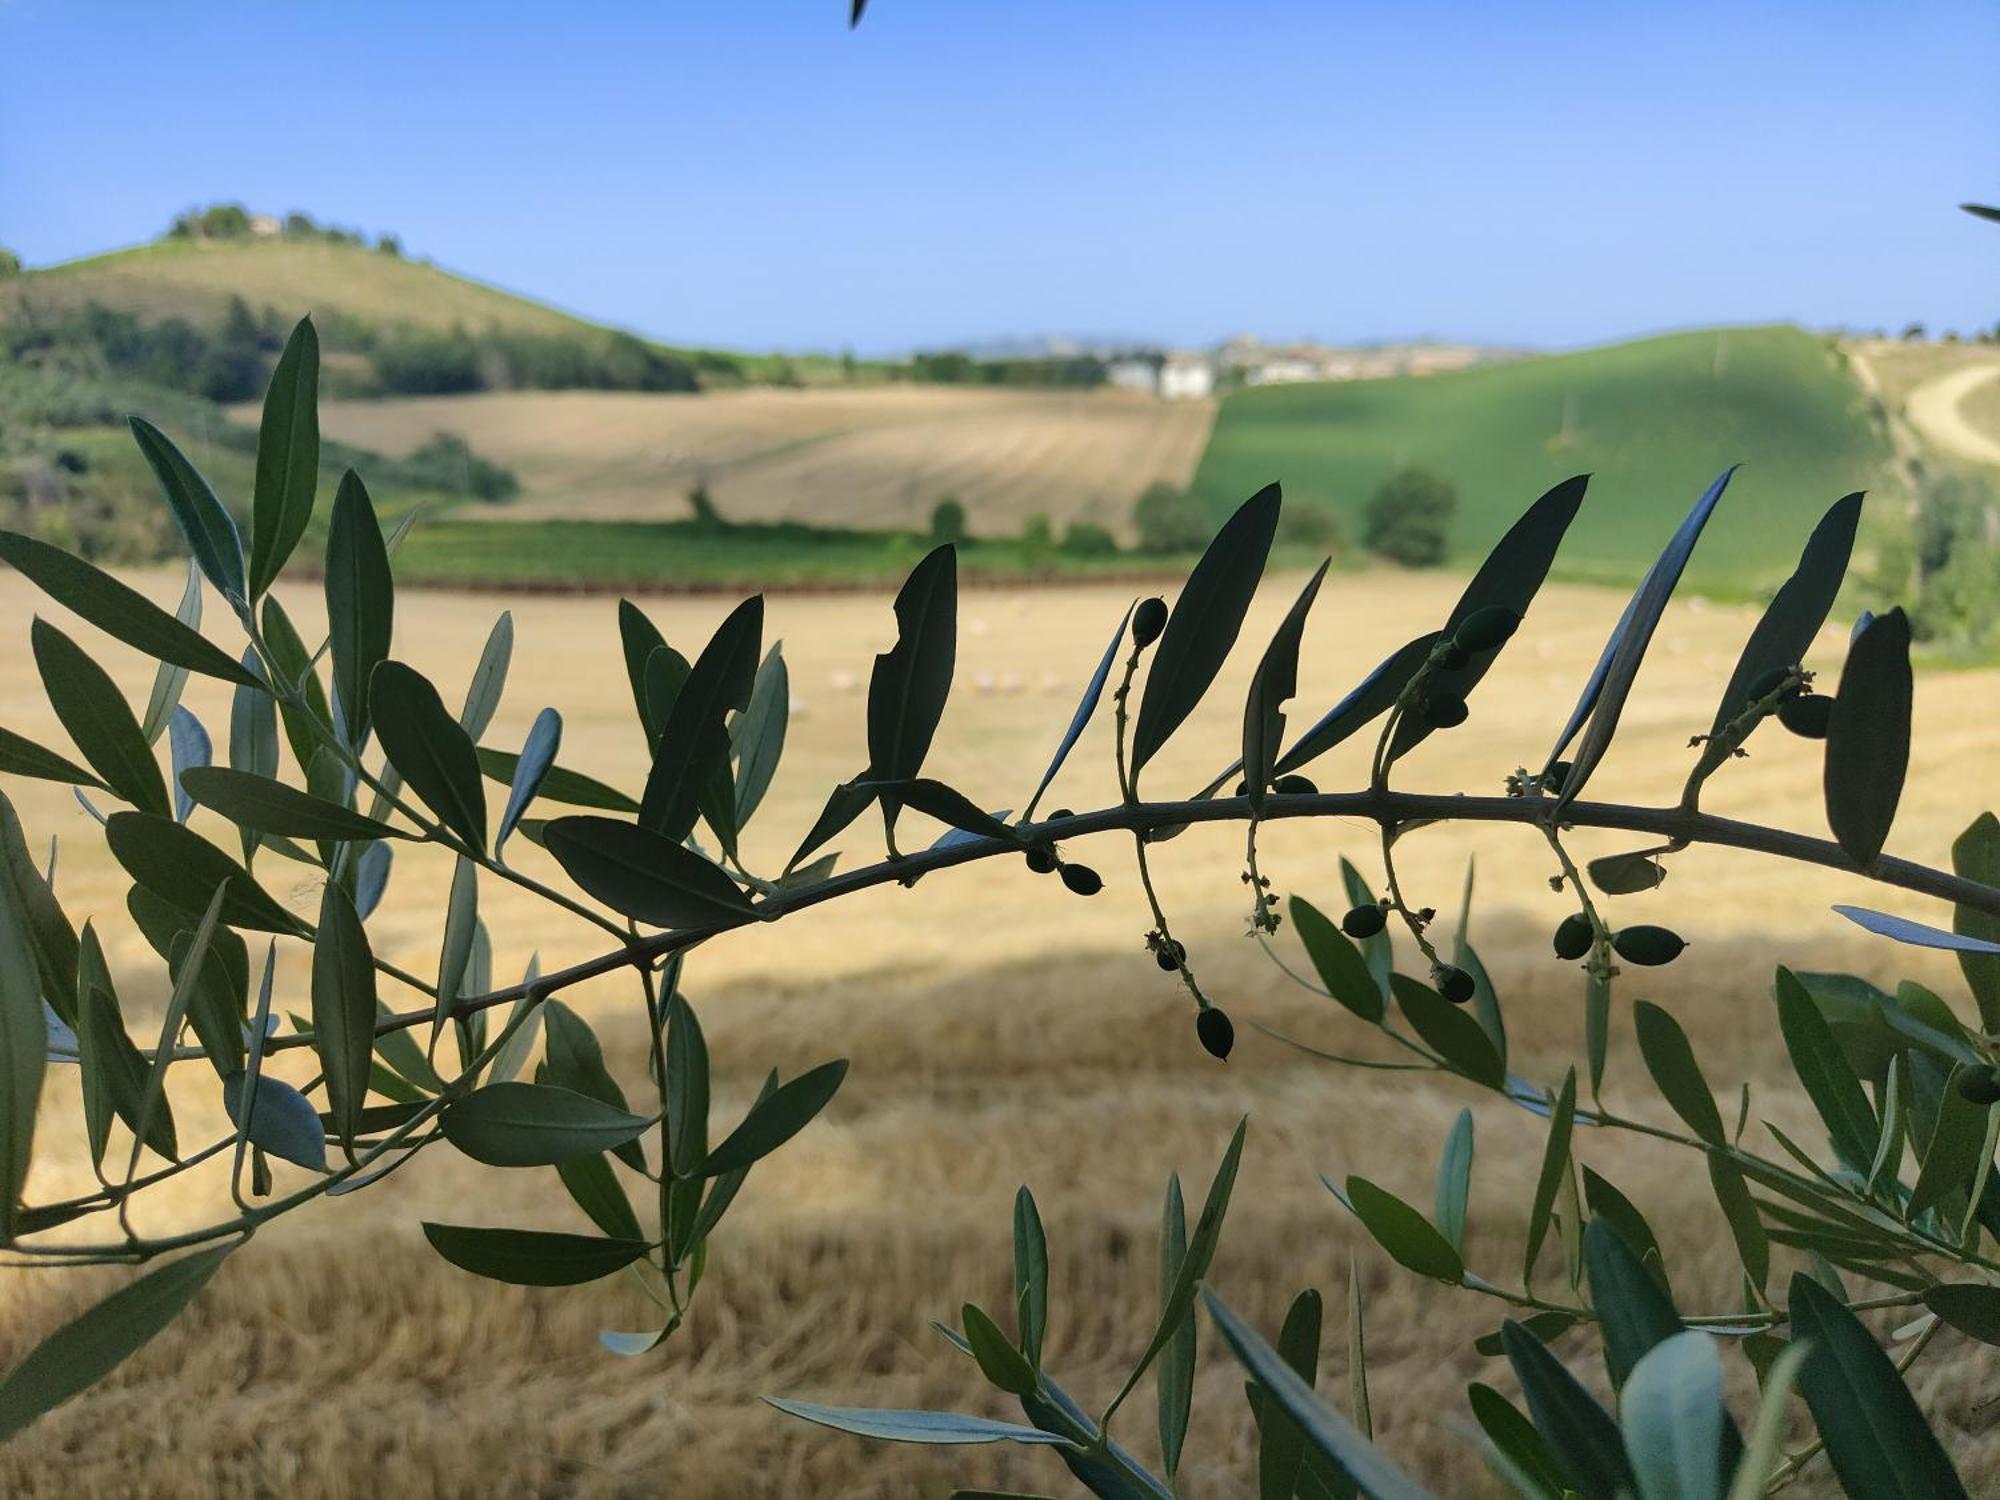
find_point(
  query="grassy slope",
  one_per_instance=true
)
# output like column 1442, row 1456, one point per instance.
column 195, row 280
column 1653, row 421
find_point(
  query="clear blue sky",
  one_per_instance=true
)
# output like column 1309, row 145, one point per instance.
column 749, row 173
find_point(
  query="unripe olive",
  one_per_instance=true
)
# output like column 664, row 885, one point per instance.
column 1486, row 629
column 1444, row 713
column 1295, row 786
column 1452, row 657
column 1556, row 775
column 1647, row 946
column 1216, row 1030
column 1807, row 716
column 1980, row 1085
column 1364, row 921
column 1574, row 936
column 1148, row 620
column 1059, row 814
column 1170, row 956
column 1042, row 859
column 1082, row 879
column 1454, row 983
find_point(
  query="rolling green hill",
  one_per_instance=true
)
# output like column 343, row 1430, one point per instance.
column 1653, row 421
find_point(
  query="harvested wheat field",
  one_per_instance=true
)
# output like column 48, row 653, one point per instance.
column 1001, row 1032
column 871, row 456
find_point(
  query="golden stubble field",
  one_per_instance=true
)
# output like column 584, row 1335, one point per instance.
column 867, row 456
column 1001, row 1032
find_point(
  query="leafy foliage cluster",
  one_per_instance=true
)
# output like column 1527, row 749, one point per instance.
column 1895, row 1211
column 1408, row 519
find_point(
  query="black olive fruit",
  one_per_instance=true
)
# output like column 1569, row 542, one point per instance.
column 1980, row 1085
column 1364, row 921
column 1647, row 946
column 1574, row 936
column 1082, row 879
column 1170, row 956
column 1445, row 713
column 1454, row 983
column 1042, row 859
column 1217, row 1032
column 1059, row 814
column 1148, row 620
column 1453, row 657
column 1556, row 775
column 1486, row 629
column 1295, row 786
column 1808, row 716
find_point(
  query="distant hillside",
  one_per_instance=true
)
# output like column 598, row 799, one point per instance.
column 1653, row 421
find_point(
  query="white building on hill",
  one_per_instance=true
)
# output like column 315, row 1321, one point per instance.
column 1187, row 377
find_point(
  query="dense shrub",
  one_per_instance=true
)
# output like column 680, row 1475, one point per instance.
column 1088, row 539
column 948, row 521
column 1408, row 520
column 447, row 463
column 1169, row 519
column 10, row 263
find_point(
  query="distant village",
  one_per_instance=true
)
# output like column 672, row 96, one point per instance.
column 1192, row 375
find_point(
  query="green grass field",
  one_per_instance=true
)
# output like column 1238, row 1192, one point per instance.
column 1653, row 421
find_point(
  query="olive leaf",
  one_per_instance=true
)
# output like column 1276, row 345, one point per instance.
column 1204, row 623
column 557, row 784
column 776, row 1118
column 535, row 1125
column 693, row 747
column 23, row 1059
column 343, row 1009
column 1086, row 706
column 1371, row 698
column 532, row 768
column 489, row 678
column 1581, row 1436
column 169, row 681
column 207, row 527
column 1281, row 1446
column 360, row 603
column 119, row 611
column 531, row 1257
column 1175, row 1384
column 1454, row 1181
column 97, row 719
column 276, row 1118
column 1339, row 964
column 645, row 875
column 428, row 749
column 1676, row 1073
column 911, row 681
column 1868, row 737
column 902, row 1426
column 185, row 870
column 1975, row 855
column 263, row 805
column 20, row 756
column 1399, row 1229
column 1271, row 686
column 1610, row 683
column 1793, row 618
column 757, row 735
column 287, row 458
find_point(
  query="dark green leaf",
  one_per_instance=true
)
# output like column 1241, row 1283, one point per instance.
column 95, row 714
column 1828, row 1077
column 287, row 458
column 360, row 602
column 117, row 610
column 1281, row 1445
column 343, row 1009
column 23, row 757
column 266, row 806
column 757, row 735
column 1273, row 684
column 1454, row 1181
column 948, row 805
column 1000, row 1362
column 693, row 747
column 207, row 527
column 1555, row 1171
column 51, row 938
column 1627, row 874
column 1031, row 1275
column 644, row 875
column 1797, row 611
column 1406, row 1234
column 425, row 744
column 777, row 1118
column 1175, row 1383
column 895, row 1426
column 1973, row 1308
column 1378, row 951
column 1086, row 706
column 1868, row 738
column 1509, row 578
column 114, row 1074
column 292, row 664
column 1340, row 966
column 687, row 1089
column 1745, row 1228
column 83, row 1351
column 1675, row 1072
column 1453, row 1034
column 461, row 926
column 1580, row 1434
column 595, row 1187
column 1204, row 623
column 575, row 1061
column 911, row 681
column 531, row 1257
column 1634, row 1312
column 844, row 804
column 1514, row 1437
column 1950, row 1153
column 1620, row 1214
column 1875, row 1435
column 1326, row 1430
column 640, row 638
column 534, row 1125
column 1975, row 855
column 184, row 869
column 1610, row 683
column 558, row 784
column 1373, row 697
column 281, row 1120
